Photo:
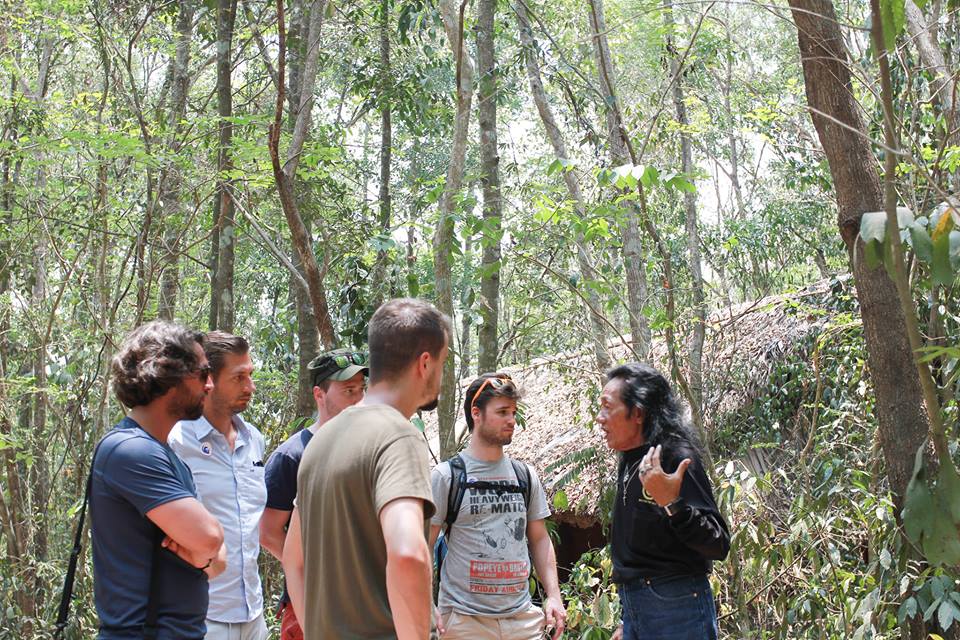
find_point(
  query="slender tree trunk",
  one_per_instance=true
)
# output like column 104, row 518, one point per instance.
column 695, row 352
column 634, row 264
column 171, row 178
column 285, row 174
column 308, row 343
column 732, row 138
column 444, row 237
column 386, row 143
column 944, row 87
column 598, row 331
column 224, row 238
column 466, row 322
column 487, row 346
column 902, row 424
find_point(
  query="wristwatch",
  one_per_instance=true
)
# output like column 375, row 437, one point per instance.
column 674, row 507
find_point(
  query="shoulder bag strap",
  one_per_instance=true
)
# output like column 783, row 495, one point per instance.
column 67, row 592
column 153, row 598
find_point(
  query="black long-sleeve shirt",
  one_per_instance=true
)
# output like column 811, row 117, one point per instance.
column 645, row 542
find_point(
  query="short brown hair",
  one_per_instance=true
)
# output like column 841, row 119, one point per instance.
column 153, row 359
column 400, row 331
column 217, row 344
column 508, row 389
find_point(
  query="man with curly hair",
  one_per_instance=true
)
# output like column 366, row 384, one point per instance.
column 154, row 544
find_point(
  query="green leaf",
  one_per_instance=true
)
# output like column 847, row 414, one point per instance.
column 873, row 226
column 907, row 610
column 921, row 242
column 946, row 614
column 560, row 501
column 940, row 264
column 918, row 503
column 948, row 489
column 893, row 18
column 955, row 250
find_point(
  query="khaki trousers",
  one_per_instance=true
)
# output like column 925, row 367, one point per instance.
column 526, row 625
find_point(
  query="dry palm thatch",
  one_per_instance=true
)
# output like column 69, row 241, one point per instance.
column 558, row 436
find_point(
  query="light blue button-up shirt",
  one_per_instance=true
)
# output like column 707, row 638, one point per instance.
column 231, row 487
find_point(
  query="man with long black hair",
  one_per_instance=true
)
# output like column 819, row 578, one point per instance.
column 666, row 527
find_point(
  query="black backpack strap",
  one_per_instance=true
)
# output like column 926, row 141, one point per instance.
column 67, row 592
column 458, row 487
column 150, row 628
column 522, row 472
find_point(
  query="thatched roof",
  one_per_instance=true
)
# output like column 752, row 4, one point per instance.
column 560, row 392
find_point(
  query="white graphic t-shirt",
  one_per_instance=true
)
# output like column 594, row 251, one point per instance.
column 487, row 566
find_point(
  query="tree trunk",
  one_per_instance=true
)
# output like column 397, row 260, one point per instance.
column 224, row 238
column 466, row 322
column 378, row 279
column 944, row 87
column 285, row 174
column 598, row 332
column 308, row 345
column 444, row 237
column 633, row 259
column 170, row 178
column 902, row 423
column 695, row 352
column 487, row 346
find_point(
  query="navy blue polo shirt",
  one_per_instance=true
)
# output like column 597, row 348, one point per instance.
column 132, row 474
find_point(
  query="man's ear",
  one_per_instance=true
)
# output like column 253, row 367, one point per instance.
column 475, row 413
column 423, row 363
column 318, row 394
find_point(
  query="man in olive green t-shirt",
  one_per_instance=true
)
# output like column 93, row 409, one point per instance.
column 358, row 533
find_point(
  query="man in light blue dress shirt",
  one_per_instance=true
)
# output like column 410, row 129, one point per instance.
column 225, row 455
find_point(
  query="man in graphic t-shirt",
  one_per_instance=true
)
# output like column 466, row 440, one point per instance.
column 339, row 378
column 484, row 592
column 145, row 519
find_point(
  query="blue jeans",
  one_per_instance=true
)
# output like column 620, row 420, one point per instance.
column 671, row 608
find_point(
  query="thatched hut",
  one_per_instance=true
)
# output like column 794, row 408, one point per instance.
column 560, row 393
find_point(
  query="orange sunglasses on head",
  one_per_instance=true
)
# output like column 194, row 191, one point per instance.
column 494, row 381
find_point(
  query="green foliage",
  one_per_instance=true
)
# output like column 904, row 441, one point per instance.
column 593, row 609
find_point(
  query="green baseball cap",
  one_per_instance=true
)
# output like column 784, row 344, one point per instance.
column 339, row 364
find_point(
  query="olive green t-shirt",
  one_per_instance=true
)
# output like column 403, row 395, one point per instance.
column 356, row 463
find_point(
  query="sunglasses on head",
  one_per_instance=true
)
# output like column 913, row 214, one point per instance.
column 495, row 382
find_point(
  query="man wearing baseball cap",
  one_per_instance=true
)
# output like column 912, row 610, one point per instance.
column 339, row 380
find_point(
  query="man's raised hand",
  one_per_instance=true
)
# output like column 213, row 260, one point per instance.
column 663, row 487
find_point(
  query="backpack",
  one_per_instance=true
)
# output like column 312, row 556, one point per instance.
column 458, row 489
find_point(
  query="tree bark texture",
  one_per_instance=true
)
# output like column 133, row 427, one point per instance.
column 902, row 422
column 598, row 332
column 487, row 347
column 171, row 179
column 224, row 238
column 698, row 334
column 378, row 280
column 444, row 236
column 632, row 255
column 285, row 175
